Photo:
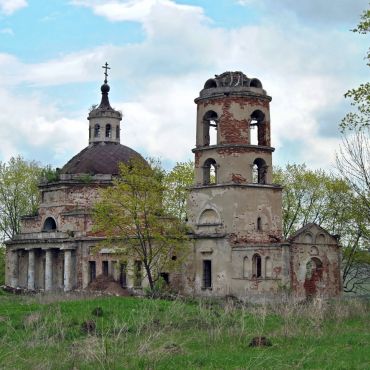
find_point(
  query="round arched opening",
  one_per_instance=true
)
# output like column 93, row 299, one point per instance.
column 209, row 172
column 256, row 83
column 211, row 83
column 257, row 266
column 259, row 171
column 49, row 224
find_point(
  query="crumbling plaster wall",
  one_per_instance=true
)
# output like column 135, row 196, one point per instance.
column 69, row 206
column 238, row 209
column 315, row 245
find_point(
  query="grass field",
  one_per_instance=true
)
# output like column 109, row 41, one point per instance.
column 51, row 332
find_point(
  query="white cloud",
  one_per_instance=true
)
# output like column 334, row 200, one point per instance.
column 132, row 10
column 327, row 12
column 8, row 7
column 7, row 31
column 37, row 130
column 305, row 70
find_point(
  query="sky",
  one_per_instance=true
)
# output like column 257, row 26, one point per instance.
column 161, row 52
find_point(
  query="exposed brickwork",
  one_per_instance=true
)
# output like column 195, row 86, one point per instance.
column 198, row 155
column 237, row 178
column 236, row 131
column 235, row 150
column 324, row 279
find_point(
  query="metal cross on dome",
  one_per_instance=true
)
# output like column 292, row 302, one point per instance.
column 106, row 71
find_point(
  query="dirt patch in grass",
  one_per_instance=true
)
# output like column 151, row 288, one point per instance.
column 107, row 285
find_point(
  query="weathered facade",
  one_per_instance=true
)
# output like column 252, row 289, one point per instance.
column 54, row 250
column 234, row 211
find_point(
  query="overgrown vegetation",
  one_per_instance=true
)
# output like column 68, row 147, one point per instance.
column 360, row 96
column 333, row 202
column 19, row 194
column 133, row 217
column 133, row 333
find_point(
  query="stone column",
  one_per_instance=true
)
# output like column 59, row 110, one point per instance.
column 31, row 269
column 48, row 270
column 67, row 269
column 85, row 265
column 14, row 269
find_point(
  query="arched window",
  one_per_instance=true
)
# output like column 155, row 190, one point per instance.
column 320, row 239
column 210, row 121
column 97, row 130
column 209, row 172
column 257, row 128
column 314, row 268
column 259, row 171
column 209, row 217
column 256, row 83
column 211, row 83
column 246, row 267
column 49, row 224
column 259, row 224
column 89, row 132
column 257, row 266
column 117, row 132
column 308, row 238
column 108, row 130
column 268, row 267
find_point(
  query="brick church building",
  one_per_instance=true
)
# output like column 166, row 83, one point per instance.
column 234, row 211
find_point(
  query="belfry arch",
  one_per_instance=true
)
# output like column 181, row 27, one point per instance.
column 258, row 128
column 210, row 128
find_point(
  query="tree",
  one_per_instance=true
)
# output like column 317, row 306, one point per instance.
column 353, row 162
column 361, row 95
column 330, row 201
column 312, row 196
column 19, row 194
column 177, row 183
column 132, row 217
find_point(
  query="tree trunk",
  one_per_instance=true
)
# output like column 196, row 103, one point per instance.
column 149, row 275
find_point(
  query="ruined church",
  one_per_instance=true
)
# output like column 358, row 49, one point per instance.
column 234, row 211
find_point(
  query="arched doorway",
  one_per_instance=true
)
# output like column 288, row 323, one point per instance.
column 314, row 270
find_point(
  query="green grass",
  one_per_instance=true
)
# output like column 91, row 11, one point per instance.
column 44, row 332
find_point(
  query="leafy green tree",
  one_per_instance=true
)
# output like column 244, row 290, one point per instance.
column 353, row 163
column 360, row 96
column 312, row 196
column 132, row 216
column 19, row 193
column 177, row 183
column 332, row 202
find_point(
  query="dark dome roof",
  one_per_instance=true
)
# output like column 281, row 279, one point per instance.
column 100, row 158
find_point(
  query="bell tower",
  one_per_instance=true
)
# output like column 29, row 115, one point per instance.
column 234, row 209
column 104, row 121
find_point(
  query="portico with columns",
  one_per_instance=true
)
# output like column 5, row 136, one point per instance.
column 39, row 268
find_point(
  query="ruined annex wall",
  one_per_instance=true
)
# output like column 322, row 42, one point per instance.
column 315, row 265
column 274, row 279
column 233, row 273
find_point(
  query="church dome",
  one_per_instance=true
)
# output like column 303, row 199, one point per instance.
column 100, row 158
